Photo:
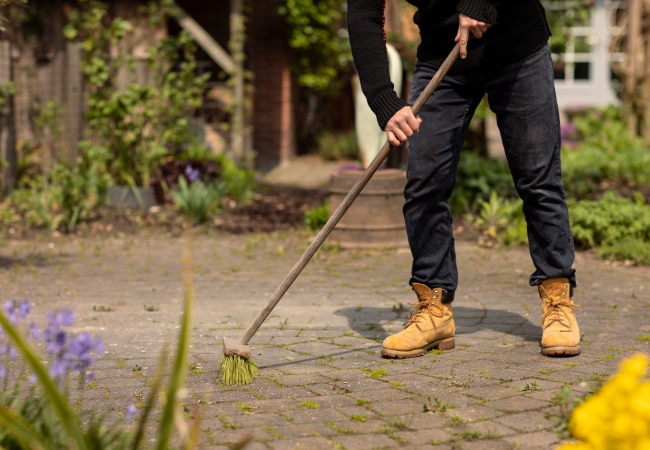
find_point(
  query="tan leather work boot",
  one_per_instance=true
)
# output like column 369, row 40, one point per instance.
column 430, row 325
column 560, row 335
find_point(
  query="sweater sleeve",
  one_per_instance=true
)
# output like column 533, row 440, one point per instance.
column 368, row 44
column 483, row 10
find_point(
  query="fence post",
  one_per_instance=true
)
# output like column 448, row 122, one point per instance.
column 238, row 130
column 7, row 123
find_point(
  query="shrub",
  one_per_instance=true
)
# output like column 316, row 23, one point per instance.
column 602, row 152
column 130, row 129
column 476, row 179
column 627, row 249
column 500, row 221
column 316, row 218
column 338, row 146
column 240, row 183
column 610, row 220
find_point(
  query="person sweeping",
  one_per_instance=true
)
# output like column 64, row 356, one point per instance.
column 236, row 366
column 504, row 54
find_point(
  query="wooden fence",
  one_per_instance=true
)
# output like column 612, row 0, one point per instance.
column 43, row 118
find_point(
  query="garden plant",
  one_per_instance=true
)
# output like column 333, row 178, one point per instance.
column 39, row 411
column 616, row 416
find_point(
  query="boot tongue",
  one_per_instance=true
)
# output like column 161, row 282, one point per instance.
column 556, row 288
column 423, row 292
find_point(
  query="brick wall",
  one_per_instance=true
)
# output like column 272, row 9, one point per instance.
column 269, row 55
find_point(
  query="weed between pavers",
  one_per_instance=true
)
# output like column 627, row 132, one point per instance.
column 195, row 369
column 340, row 430
column 310, row 404
column 454, row 421
column 245, row 407
column 375, row 373
column 532, row 386
column 437, row 405
column 393, row 427
column 474, row 435
column 103, row 309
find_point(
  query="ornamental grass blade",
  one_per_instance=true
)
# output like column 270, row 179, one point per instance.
column 194, row 432
column 21, row 430
column 177, row 378
column 151, row 400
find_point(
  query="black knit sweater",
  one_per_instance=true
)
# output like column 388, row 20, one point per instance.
column 519, row 29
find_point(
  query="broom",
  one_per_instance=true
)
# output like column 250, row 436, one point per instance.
column 236, row 365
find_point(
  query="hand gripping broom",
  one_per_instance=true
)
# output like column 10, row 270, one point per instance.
column 236, row 366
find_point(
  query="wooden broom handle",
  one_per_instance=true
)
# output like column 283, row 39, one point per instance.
column 346, row 203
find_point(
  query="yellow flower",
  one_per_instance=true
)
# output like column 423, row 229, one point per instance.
column 640, row 404
column 635, row 365
column 617, row 416
column 575, row 446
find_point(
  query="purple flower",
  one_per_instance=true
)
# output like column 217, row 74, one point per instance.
column 58, row 368
column 36, row 333
column 60, row 318
column 72, row 353
column 55, row 337
column 568, row 129
column 191, row 173
column 16, row 312
column 24, row 308
column 350, row 167
column 569, row 135
column 80, row 349
column 130, row 412
column 55, row 341
column 69, row 352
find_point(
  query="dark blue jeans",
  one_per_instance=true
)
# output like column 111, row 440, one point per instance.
column 522, row 95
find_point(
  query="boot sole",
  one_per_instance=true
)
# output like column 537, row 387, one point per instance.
column 561, row 351
column 443, row 344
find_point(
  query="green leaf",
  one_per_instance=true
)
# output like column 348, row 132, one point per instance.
column 21, row 430
column 177, row 379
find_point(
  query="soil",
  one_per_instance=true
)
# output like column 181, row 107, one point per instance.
column 272, row 209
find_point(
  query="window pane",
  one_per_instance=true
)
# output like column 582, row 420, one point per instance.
column 582, row 71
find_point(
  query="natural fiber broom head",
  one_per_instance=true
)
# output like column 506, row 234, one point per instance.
column 236, row 366
column 235, row 370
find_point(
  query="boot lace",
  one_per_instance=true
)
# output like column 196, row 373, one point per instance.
column 556, row 311
column 423, row 308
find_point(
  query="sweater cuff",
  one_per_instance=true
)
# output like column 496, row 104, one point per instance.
column 385, row 106
column 482, row 10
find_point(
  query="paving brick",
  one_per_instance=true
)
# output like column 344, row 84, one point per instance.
column 322, row 343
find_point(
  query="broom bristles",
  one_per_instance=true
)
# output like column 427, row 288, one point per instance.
column 235, row 370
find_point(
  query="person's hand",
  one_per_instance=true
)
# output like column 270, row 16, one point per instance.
column 467, row 26
column 402, row 126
